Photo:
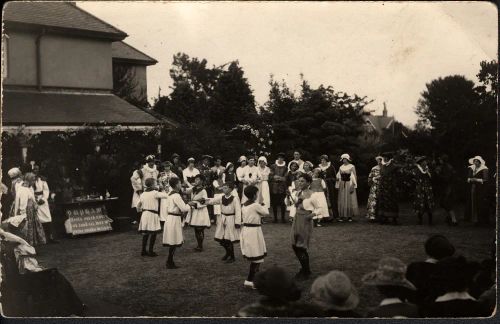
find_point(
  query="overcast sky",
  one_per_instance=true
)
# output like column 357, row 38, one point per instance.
column 386, row 51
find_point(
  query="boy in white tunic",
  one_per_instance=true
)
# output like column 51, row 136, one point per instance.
column 149, row 205
column 172, row 231
column 227, row 231
column 42, row 194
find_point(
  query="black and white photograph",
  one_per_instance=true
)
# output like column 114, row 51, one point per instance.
column 249, row 159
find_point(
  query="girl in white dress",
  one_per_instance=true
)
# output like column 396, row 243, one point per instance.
column 253, row 246
column 263, row 184
column 172, row 232
column 250, row 177
column 198, row 217
column 163, row 182
column 149, row 225
column 347, row 184
column 318, row 186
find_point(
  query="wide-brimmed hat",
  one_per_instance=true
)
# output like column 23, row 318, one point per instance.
column 390, row 272
column 242, row 158
column 420, row 159
column 262, row 158
column 335, row 291
column 175, row 155
column 477, row 157
column 438, row 247
column 191, row 159
column 14, row 172
column 277, row 284
column 324, row 157
column 345, row 156
column 150, row 158
column 281, row 154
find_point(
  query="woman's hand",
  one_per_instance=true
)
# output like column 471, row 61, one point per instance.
column 351, row 191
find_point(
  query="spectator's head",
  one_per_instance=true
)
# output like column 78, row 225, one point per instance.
column 276, row 284
column 262, row 161
column 454, row 274
column 334, row 291
column 345, row 158
column 175, row 158
column 199, row 179
column 324, row 159
column 304, row 181
column 438, row 247
column 251, row 161
column 174, row 183
column 218, row 161
column 242, row 160
column 150, row 160
column 190, row 162
column 316, row 173
column 29, row 179
column 296, row 155
column 166, row 166
column 281, row 157
column 294, row 166
column 308, row 166
column 391, row 275
column 150, row 183
column 229, row 167
column 251, row 192
column 36, row 169
column 206, row 159
column 14, row 173
column 477, row 161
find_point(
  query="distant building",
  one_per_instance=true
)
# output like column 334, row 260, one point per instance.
column 58, row 71
column 376, row 125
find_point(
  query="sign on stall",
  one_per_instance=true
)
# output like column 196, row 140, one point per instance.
column 88, row 219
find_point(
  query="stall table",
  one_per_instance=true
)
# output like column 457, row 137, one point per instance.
column 86, row 216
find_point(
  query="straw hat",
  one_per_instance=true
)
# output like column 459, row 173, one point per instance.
column 242, row 158
column 345, row 156
column 263, row 158
column 477, row 157
column 390, row 272
column 14, row 172
column 335, row 291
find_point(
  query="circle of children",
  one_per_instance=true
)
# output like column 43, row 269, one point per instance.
column 241, row 197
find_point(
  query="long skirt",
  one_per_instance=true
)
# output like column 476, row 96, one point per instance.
column 253, row 246
column 371, row 206
column 264, row 194
column 135, row 199
column 198, row 217
column 172, row 231
column 302, row 227
column 226, row 229
column 150, row 223
column 332, row 202
column 323, row 206
column 348, row 202
column 31, row 229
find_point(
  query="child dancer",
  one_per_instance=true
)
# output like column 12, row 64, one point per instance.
column 253, row 246
column 172, row 231
column 318, row 185
column 198, row 218
column 227, row 231
column 149, row 225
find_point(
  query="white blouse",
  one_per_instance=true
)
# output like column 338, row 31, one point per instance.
column 347, row 168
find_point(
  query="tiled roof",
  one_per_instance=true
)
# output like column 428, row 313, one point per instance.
column 39, row 108
column 125, row 52
column 380, row 122
column 58, row 15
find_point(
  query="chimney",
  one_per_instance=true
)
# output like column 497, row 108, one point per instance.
column 384, row 113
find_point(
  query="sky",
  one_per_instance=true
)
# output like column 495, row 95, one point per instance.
column 386, row 51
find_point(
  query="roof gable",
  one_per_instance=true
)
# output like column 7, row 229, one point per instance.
column 380, row 122
column 124, row 52
column 57, row 16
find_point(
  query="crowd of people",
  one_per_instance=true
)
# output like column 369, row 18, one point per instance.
column 443, row 285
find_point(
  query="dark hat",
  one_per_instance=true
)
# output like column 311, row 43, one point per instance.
column 277, row 284
column 167, row 163
column 281, row 154
column 325, row 157
column 175, row 155
column 206, row 156
column 438, row 247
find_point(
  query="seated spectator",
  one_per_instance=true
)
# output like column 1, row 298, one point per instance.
column 436, row 247
column 452, row 277
column 279, row 291
column 390, row 280
column 335, row 295
column 486, row 276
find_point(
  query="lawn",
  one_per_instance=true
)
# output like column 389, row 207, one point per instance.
column 112, row 278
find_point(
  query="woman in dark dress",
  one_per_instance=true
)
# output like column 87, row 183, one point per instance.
column 329, row 174
column 423, row 200
column 478, row 178
column 446, row 176
column 388, row 208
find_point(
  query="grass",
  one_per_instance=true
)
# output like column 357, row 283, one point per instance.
column 112, row 278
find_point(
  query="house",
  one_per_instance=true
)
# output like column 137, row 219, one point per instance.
column 376, row 125
column 58, row 71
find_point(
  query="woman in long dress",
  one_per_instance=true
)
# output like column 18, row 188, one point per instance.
column 373, row 183
column 263, row 184
column 423, row 202
column 252, row 243
column 387, row 194
column 307, row 207
column 329, row 174
column 347, row 184
column 291, row 180
column 478, row 180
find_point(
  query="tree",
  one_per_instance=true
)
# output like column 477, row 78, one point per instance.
column 126, row 86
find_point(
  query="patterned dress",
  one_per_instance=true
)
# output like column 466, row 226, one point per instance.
column 373, row 182
column 387, row 196
column 424, row 198
column 31, row 229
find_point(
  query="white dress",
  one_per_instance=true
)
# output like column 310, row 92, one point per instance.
column 149, row 203
column 198, row 217
column 263, row 185
column 253, row 245
column 250, row 177
column 318, row 186
column 172, row 231
column 136, row 183
column 163, row 182
column 229, row 217
column 148, row 172
column 42, row 192
column 188, row 176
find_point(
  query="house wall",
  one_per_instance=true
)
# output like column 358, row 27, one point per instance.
column 138, row 77
column 65, row 61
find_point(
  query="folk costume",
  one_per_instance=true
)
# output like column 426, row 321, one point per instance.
column 292, row 178
column 347, row 199
column 329, row 174
column 373, row 183
column 252, row 243
column 149, row 172
column 188, row 176
column 25, row 221
column 163, row 180
column 307, row 205
column 423, row 200
column 198, row 217
column 42, row 193
column 172, row 231
column 149, row 225
column 240, row 175
column 477, row 203
column 278, row 178
column 250, row 177
column 217, row 185
column 318, row 186
column 387, row 194
column 263, row 184
column 229, row 221
column 299, row 162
